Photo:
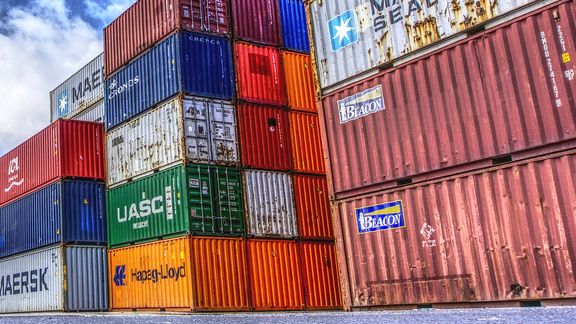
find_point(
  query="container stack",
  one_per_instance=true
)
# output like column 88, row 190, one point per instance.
column 81, row 97
column 199, row 157
column 52, row 221
column 450, row 141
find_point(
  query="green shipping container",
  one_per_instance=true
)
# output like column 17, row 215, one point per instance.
column 193, row 199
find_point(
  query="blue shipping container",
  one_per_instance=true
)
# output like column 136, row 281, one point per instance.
column 63, row 212
column 294, row 30
column 185, row 62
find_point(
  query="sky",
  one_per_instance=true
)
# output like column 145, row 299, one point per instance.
column 42, row 43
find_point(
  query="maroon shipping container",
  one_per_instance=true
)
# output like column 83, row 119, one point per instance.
column 259, row 74
column 264, row 137
column 148, row 21
column 505, row 90
column 500, row 234
column 257, row 21
column 65, row 149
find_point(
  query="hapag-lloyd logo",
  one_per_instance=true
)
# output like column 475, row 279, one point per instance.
column 13, row 177
column 116, row 90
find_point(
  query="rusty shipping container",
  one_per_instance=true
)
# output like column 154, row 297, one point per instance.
column 260, row 78
column 299, row 81
column 256, row 21
column 264, row 137
column 500, row 234
column 312, row 207
column 305, row 143
column 275, row 275
column 148, row 21
column 65, row 149
column 321, row 281
column 366, row 34
column 269, row 204
column 183, row 274
column 504, row 91
column 183, row 129
column 81, row 91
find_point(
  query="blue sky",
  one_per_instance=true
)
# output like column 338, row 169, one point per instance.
column 42, row 43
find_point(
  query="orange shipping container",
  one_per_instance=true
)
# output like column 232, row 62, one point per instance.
column 190, row 274
column 299, row 81
column 275, row 278
column 306, row 143
column 321, row 282
column 312, row 207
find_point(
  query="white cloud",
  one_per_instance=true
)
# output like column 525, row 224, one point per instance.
column 106, row 12
column 44, row 46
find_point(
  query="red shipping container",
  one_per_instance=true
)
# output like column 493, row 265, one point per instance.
column 264, row 138
column 65, row 149
column 259, row 74
column 148, row 21
column 312, row 207
column 498, row 234
column 275, row 275
column 320, row 275
column 505, row 90
column 306, row 143
column 257, row 21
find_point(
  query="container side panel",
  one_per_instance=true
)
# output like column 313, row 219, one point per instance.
column 220, row 270
column 276, row 282
column 270, row 205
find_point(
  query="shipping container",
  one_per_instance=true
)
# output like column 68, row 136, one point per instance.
column 260, row 76
column 368, row 34
column 182, row 129
column 65, row 149
column 321, row 281
column 148, row 21
column 71, row 278
column 94, row 114
column 299, row 81
column 503, row 91
column 264, row 137
column 189, row 63
column 294, row 29
column 275, row 275
column 82, row 90
column 185, row 199
column 499, row 234
column 256, row 21
column 312, row 207
column 269, row 203
column 306, row 144
column 68, row 211
column 186, row 274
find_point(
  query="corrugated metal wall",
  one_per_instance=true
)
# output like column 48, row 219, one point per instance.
column 82, row 90
column 63, row 212
column 270, row 207
column 498, row 234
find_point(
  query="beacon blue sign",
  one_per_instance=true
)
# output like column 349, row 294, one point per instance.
column 381, row 217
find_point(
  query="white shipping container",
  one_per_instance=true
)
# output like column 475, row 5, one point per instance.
column 93, row 113
column 81, row 91
column 270, row 204
column 182, row 129
column 72, row 278
column 354, row 36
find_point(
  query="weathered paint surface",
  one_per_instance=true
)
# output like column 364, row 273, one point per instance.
column 369, row 33
column 504, row 91
column 499, row 234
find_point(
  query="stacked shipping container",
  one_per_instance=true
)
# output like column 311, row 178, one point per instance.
column 52, row 222
column 198, row 126
column 421, row 214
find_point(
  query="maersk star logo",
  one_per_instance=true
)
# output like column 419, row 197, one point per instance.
column 343, row 30
column 63, row 104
